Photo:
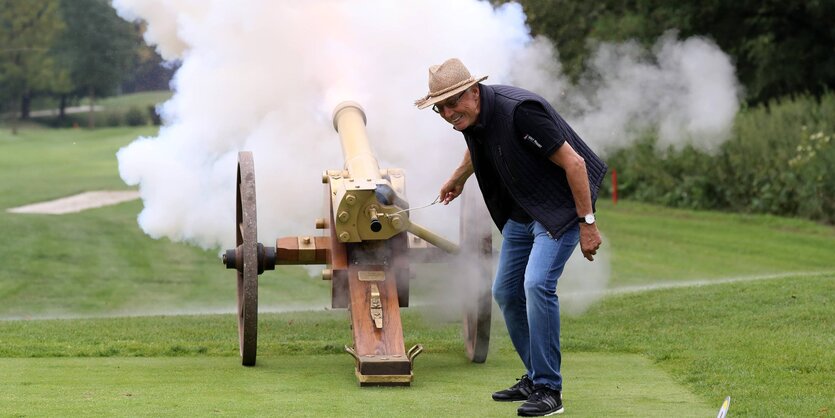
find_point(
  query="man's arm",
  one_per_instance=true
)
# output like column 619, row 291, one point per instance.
column 542, row 134
column 455, row 185
column 578, row 180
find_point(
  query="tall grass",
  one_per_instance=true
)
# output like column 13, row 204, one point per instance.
column 779, row 160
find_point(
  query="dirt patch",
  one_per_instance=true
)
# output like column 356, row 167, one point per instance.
column 78, row 203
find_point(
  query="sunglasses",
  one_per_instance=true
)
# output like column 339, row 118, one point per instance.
column 451, row 102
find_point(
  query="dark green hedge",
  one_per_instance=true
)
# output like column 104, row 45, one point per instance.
column 780, row 160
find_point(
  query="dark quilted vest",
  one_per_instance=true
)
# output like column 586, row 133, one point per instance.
column 535, row 182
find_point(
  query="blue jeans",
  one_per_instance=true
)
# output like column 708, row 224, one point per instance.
column 530, row 263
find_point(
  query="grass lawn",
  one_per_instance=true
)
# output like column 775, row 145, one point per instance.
column 140, row 100
column 98, row 262
column 119, row 103
column 673, row 352
column 324, row 385
column 652, row 244
column 41, row 164
column 111, row 111
column 769, row 344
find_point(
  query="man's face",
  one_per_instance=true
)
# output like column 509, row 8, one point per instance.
column 460, row 110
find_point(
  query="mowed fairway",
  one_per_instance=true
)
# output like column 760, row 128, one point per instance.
column 323, row 385
column 768, row 342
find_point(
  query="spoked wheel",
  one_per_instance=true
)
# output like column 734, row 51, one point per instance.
column 247, row 243
column 477, row 244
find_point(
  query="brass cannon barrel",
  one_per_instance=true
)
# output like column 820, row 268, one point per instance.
column 354, row 197
column 349, row 121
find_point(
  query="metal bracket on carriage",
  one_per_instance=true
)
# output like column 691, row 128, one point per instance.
column 376, row 307
column 384, row 370
column 375, row 303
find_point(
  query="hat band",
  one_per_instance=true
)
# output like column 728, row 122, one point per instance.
column 450, row 88
column 426, row 98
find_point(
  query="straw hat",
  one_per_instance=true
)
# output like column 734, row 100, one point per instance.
column 446, row 80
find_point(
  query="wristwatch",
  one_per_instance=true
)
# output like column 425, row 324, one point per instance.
column 588, row 219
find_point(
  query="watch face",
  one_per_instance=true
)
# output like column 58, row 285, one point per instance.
column 589, row 219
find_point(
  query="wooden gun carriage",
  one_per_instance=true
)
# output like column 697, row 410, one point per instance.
column 367, row 245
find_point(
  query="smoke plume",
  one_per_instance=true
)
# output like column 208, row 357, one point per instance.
column 264, row 76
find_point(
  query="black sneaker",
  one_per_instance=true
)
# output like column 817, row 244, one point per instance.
column 542, row 402
column 516, row 393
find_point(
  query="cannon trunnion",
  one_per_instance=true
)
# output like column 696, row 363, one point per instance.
column 367, row 245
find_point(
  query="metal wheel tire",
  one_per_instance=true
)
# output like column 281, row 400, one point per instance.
column 247, row 240
column 477, row 246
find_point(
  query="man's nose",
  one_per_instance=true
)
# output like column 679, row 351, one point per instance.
column 447, row 112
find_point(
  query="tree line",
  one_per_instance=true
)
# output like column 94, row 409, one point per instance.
column 69, row 49
column 81, row 48
column 780, row 48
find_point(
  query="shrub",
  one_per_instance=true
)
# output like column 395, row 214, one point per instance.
column 779, row 160
column 155, row 117
column 113, row 119
column 135, row 117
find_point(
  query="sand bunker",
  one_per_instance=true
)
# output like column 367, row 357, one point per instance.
column 78, row 203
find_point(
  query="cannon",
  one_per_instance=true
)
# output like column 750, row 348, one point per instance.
column 367, row 244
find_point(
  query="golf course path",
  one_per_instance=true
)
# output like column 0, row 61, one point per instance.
column 694, row 283
column 78, row 203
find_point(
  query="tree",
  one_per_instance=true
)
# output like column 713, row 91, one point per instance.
column 568, row 23
column 780, row 48
column 27, row 30
column 97, row 48
column 148, row 72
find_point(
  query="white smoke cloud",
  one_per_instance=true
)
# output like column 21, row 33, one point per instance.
column 163, row 16
column 264, row 76
column 685, row 90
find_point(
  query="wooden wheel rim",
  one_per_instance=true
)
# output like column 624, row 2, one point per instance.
column 247, row 240
column 477, row 242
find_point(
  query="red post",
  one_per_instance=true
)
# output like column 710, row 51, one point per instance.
column 614, row 186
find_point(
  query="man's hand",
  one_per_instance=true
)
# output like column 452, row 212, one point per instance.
column 589, row 240
column 455, row 185
column 450, row 190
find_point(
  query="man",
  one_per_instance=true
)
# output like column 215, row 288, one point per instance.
column 540, row 182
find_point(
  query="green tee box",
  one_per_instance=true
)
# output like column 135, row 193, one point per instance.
column 447, row 384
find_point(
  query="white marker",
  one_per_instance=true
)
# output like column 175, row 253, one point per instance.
column 724, row 409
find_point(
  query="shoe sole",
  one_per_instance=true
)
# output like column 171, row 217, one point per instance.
column 558, row 411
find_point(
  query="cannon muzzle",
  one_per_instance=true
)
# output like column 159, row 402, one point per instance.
column 349, row 121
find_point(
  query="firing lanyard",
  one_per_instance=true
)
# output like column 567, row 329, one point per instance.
column 436, row 201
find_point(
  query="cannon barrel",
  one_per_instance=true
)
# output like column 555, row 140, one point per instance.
column 363, row 196
column 349, row 121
